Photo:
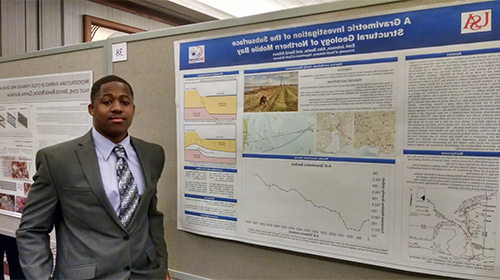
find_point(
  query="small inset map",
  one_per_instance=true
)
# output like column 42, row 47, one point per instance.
column 366, row 134
column 334, row 132
column 278, row 133
column 451, row 226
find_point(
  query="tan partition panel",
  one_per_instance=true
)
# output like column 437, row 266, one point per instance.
column 151, row 71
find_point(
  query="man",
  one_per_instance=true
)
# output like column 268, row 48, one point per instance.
column 100, row 197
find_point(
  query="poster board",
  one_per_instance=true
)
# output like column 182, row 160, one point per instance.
column 54, row 63
column 36, row 112
column 369, row 140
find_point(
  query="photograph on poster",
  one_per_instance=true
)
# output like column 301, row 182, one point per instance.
column 276, row 92
column 20, row 170
column 27, row 187
column 20, row 202
column 7, row 202
column 22, row 119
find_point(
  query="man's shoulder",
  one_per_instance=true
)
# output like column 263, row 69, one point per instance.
column 137, row 141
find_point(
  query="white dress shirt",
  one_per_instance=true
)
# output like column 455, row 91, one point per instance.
column 107, row 167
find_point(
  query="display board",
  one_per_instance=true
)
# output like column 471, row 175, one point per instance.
column 36, row 112
column 372, row 140
column 41, row 65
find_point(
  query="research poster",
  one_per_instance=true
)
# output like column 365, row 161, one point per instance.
column 374, row 140
column 36, row 112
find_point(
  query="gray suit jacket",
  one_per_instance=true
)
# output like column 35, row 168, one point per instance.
column 91, row 242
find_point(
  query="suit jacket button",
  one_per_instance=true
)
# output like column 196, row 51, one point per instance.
column 127, row 268
column 126, row 238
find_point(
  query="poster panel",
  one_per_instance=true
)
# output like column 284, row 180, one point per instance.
column 372, row 140
column 36, row 112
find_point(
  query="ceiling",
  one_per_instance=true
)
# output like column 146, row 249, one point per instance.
column 224, row 9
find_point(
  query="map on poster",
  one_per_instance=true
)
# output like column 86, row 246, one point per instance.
column 453, row 226
column 366, row 134
column 278, row 133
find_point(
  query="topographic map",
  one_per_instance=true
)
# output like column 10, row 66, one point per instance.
column 447, row 228
column 368, row 134
column 290, row 133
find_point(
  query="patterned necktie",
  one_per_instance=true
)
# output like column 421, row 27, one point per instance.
column 129, row 195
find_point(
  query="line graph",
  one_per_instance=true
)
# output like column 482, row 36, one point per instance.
column 292, row 190
column 327, row 199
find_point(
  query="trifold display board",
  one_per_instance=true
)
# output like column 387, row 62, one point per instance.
column 374, row 139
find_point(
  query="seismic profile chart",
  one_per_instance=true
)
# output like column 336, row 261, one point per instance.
column 210, row 143
column 366, row 134
column 275, row 133
column 319, row 197
column 210, row 100
column 2, row 121
column 446, row 227
column 14, row 117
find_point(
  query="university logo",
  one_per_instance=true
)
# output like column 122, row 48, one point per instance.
column 197, row 54
column 478, row 21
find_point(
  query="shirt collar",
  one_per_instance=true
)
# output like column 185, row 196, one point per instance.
column 105, row 147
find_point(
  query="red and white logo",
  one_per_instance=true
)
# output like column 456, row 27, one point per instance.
column 478, row 21
column 197, row 54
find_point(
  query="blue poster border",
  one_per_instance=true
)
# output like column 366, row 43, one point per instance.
column 459, row 24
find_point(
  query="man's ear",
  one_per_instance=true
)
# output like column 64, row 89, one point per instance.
column 91, row 109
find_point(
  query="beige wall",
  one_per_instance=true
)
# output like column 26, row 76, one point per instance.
column 31, row 25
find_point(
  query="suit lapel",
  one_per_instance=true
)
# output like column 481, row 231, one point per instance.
column 90, row 166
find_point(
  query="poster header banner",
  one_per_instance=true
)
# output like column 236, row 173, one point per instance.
column 462, row 24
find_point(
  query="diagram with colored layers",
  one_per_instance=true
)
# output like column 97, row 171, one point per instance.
column 210, row 143
column 210, row 101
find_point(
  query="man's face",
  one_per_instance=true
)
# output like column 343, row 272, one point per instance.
column 113, row 110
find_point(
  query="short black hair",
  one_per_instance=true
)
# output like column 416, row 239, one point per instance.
column 96, row 87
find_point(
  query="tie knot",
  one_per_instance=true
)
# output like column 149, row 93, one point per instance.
column 119, row 151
